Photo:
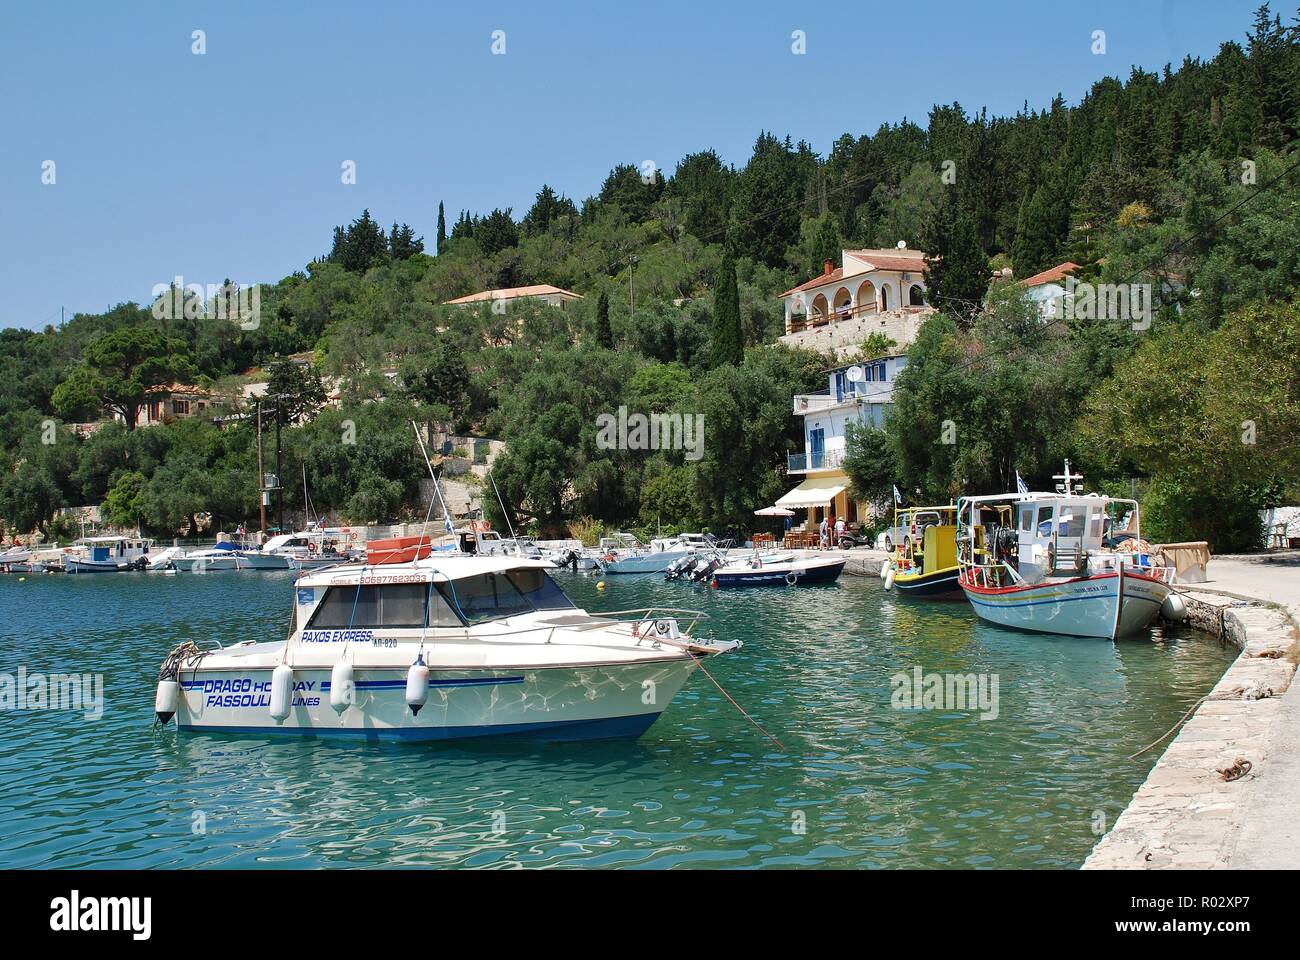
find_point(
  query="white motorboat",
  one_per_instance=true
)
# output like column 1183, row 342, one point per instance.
column 109, row 555
column 660, row 554
column 310, row 549
column 1062, row 563
column 438, row 646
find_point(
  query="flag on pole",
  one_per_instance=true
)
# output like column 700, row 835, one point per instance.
column 446, row 519
column 1020, row 484
column 898, row 497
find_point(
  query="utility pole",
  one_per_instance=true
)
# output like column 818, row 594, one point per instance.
column 261, row 477
column 631, row 285
column 279, row 487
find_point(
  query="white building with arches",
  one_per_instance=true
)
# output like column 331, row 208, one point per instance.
column 872, row 291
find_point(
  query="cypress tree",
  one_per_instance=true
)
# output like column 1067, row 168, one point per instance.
column 442, row 227
column 957, row 272
column 728, row 344
column 604, row 333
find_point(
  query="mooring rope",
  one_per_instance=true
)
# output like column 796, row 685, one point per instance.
column 700, row 663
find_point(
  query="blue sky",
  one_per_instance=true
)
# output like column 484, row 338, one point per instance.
column 228, row 164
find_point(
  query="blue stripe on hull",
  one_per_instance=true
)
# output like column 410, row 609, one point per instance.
column 611, row 728
column 940, row 586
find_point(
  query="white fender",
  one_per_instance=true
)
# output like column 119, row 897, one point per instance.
column 889, row 579
column 167, row 700
column 281, row 692
column 884, row 569
column 417, row 685
column 1174, row 608
column 343, row 687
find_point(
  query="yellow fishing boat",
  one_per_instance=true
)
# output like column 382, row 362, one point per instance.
column 924, row 561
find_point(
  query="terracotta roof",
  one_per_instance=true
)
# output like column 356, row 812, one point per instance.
column 816, row 281
column 1058, row 272
column 874, row 259
column 901, row 264
column 185, row 388
column 513, row 293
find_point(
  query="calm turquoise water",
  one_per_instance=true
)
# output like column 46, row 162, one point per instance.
column 859, row 784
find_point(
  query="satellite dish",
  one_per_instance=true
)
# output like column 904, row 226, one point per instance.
column 854, row 374
column 902, row 244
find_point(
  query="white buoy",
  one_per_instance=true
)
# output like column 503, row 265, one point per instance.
column 884, row 569
column 281, row 691
column 417, row 685
column 1174, row 608
column 167, row 700
column 889, row 579
column 343, row 687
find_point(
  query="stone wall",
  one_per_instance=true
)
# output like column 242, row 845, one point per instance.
column 845, row 337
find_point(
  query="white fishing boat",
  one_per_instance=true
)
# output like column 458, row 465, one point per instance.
column 1062, row 563
column 434, row 647
column 108, row 555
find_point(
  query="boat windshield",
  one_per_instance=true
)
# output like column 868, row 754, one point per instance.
column 492, row 596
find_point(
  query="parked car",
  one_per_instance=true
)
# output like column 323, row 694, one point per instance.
column 900, row 535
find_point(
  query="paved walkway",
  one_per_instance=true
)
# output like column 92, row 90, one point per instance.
column 1185, row 815
column 1270, row 832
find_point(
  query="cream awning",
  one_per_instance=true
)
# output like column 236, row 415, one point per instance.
column 813, row 492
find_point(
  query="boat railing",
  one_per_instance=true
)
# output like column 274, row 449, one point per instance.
column 650, row 614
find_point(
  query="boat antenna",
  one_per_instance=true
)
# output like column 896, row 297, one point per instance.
column 437, row 489
column 504, row 512
column 312, row 517
column 1066, row 485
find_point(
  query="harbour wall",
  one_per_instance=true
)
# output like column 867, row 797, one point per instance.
column 1190, row 811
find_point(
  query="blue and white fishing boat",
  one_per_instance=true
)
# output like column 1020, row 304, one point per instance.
column 1062, row 563
column 108, row 555
column 435, row 648
column 779, row 571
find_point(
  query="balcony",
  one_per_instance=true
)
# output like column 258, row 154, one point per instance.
column 822, row 460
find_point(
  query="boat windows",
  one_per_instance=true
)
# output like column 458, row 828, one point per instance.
column 1027, row 519
column 492, row 596
column 394, row 606
column 1071, row 524
column 1045, row 521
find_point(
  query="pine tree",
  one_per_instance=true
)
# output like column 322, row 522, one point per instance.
column 604, row 334
column 957, row 272
column 728, row 343
column 442, row 228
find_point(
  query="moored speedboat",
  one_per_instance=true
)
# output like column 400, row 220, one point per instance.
column 440, row 647
column 660, row 555
column 790, row 571
column 1061, row 563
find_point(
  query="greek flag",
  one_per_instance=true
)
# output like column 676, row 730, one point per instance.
column 446, row 520
column 898, row 497
column 1020, row 484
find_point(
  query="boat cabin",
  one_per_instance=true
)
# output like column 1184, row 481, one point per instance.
column 451, row 592
column 1046, row 534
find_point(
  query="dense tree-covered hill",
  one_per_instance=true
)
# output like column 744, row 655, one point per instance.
column 1181, row 179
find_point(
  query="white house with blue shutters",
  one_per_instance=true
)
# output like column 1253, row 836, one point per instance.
column 860, row 393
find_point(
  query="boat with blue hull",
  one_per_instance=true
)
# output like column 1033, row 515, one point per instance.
column 794, row 572
column 924, row 561
column 440, row 647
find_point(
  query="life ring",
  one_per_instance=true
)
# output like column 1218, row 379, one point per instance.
column 791, row 579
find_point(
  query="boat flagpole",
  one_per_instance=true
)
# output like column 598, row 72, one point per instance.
column 437, row 489
column 495, row 489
